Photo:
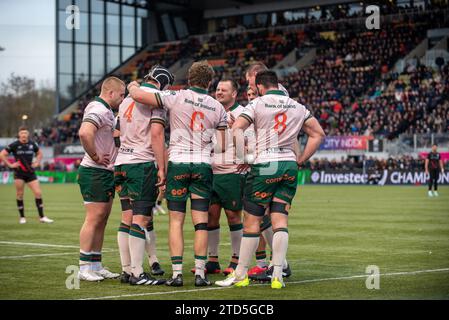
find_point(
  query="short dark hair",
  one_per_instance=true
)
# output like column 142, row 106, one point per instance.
column 267, row 78
column 23, row 128
column 234, row 83
column 256, row 67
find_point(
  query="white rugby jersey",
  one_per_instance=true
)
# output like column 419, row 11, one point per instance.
column 277, row 121
column 99, row 113
column 135, row 129
column 226, row 162
column 194, row 118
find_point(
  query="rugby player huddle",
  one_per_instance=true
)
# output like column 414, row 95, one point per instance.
column 220, row 155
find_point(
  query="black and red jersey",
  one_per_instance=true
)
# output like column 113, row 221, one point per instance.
column 23, row 153
column 434, row 160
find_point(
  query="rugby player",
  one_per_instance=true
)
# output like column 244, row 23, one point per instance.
column 23, row 151
column 227, row 190
column 139, row 171
column 195, row 118
column 272, row 180
column 433, row 166
column 262, row 271
column 96, row 176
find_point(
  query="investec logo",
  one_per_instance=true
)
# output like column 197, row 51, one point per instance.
column 342, row 178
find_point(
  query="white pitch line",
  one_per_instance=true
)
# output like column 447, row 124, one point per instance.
column 32, row 244
column 46, row 245
column 292, row 282
column 37, row 255
column 47, row 255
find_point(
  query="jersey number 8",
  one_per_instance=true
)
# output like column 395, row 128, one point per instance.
column 280, row 119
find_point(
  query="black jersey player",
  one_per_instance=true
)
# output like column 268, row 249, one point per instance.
column 23, row 151
column 434, row 165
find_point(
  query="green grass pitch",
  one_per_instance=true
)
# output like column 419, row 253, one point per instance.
column 335, row 233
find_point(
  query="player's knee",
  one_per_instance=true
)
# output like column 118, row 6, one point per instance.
column 200, row 205
column 179, row 206
column 126, row 204
column 279, row 207
column 141, row 220
column 253, row 208
column 251, row 228
column 234, row 218
column 201, row 226
column 143, row 208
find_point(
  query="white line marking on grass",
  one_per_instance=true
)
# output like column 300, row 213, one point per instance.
column 32, row 244
column 47, row 255
column 46, row 245
column 265, row 284
column 37, row 255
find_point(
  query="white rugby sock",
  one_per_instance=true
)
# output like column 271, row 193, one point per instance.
column 213, row 239
column 280, row 245
column 249, row 244
column 123, row 246
column 137, row 241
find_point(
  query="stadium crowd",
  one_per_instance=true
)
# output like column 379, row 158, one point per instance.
column 350, row 87
column 404, row 162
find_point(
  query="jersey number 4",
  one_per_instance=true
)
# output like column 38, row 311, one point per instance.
column 280, row 119
column 129, row 112
column 195, row 122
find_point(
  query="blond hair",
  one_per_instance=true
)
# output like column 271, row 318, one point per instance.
column 111, row 83
column 200, row 74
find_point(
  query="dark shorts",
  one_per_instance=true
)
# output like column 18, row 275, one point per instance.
column 434, row 174
column 271, row 180
column 186, row 178
column 227, row 191
column 25, row 176
column 136, row 181
column 96, row 185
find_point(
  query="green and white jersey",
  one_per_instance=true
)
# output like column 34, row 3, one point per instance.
column 135, row 129
column 225, row 162
column 277, row 121
column 194, row 118
column 100, row 114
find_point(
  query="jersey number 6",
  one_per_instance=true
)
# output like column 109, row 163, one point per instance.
column 194, row 123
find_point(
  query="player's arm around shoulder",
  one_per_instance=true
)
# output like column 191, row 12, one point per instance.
column 150, row 99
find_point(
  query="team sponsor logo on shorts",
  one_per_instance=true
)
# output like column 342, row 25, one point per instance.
column 179, row 192
column 182, row 176
column 262, row 195
column 279, row 179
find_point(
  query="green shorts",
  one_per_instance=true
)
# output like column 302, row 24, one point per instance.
column 186, row 178
column 96, row 185
column 271, row 180
column 227, row 191
column 136, row 181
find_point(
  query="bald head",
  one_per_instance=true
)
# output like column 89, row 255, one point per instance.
column 113, row 91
